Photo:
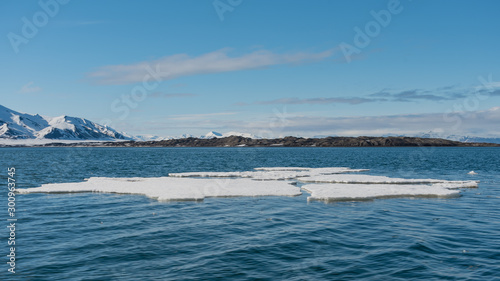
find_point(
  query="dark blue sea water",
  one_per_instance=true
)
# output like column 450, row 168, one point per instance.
column 86, row 236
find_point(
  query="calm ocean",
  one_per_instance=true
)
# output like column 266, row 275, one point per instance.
column 85, row 236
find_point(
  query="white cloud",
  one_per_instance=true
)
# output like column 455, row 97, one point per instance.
column 474, row 123
column 167, row 95
column 320, row 100
column 174, row 66
column 415, row 95
column 199, row 116
column 29, row 88
column 477, row 123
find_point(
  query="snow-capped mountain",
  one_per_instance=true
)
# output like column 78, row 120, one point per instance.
column 212, row 134
column 478, row 139
column 457, row 137
column 16, row 125
column 209, row 135
column 150, row 138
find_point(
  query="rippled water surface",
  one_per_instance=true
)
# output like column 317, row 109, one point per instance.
column 86, row 236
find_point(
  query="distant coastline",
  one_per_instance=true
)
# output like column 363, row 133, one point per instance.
column 238, row 141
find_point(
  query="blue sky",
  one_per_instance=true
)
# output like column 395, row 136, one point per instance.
column 270, row 68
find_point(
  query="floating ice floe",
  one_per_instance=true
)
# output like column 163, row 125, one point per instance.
column 167, row 188
column 472, row 173
column 348, row 192
column 368, row 179
column 329, row 184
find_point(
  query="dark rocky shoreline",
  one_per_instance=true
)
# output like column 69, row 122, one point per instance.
column 237, row 141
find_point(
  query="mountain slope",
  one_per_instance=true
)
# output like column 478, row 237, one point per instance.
column 16, row 125
column 458, row 137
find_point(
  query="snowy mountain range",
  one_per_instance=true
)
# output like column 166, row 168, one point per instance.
column 212, row 134
column 22, row 126
column 209, row 135
column 16, row 125
column 457, row 137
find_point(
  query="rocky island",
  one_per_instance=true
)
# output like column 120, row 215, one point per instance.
column 238, row 141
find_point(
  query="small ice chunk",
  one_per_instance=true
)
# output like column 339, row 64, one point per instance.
column 282, row 169
column 270, row 173
column 167, row 188
column 472, row 173
column 343, row 192
column 278, row 175
column 258, row 175
column 334, row 170
column 313, row 171
column 273, row 173
column 368, row 179
column 211, row 175
column 457, row 184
